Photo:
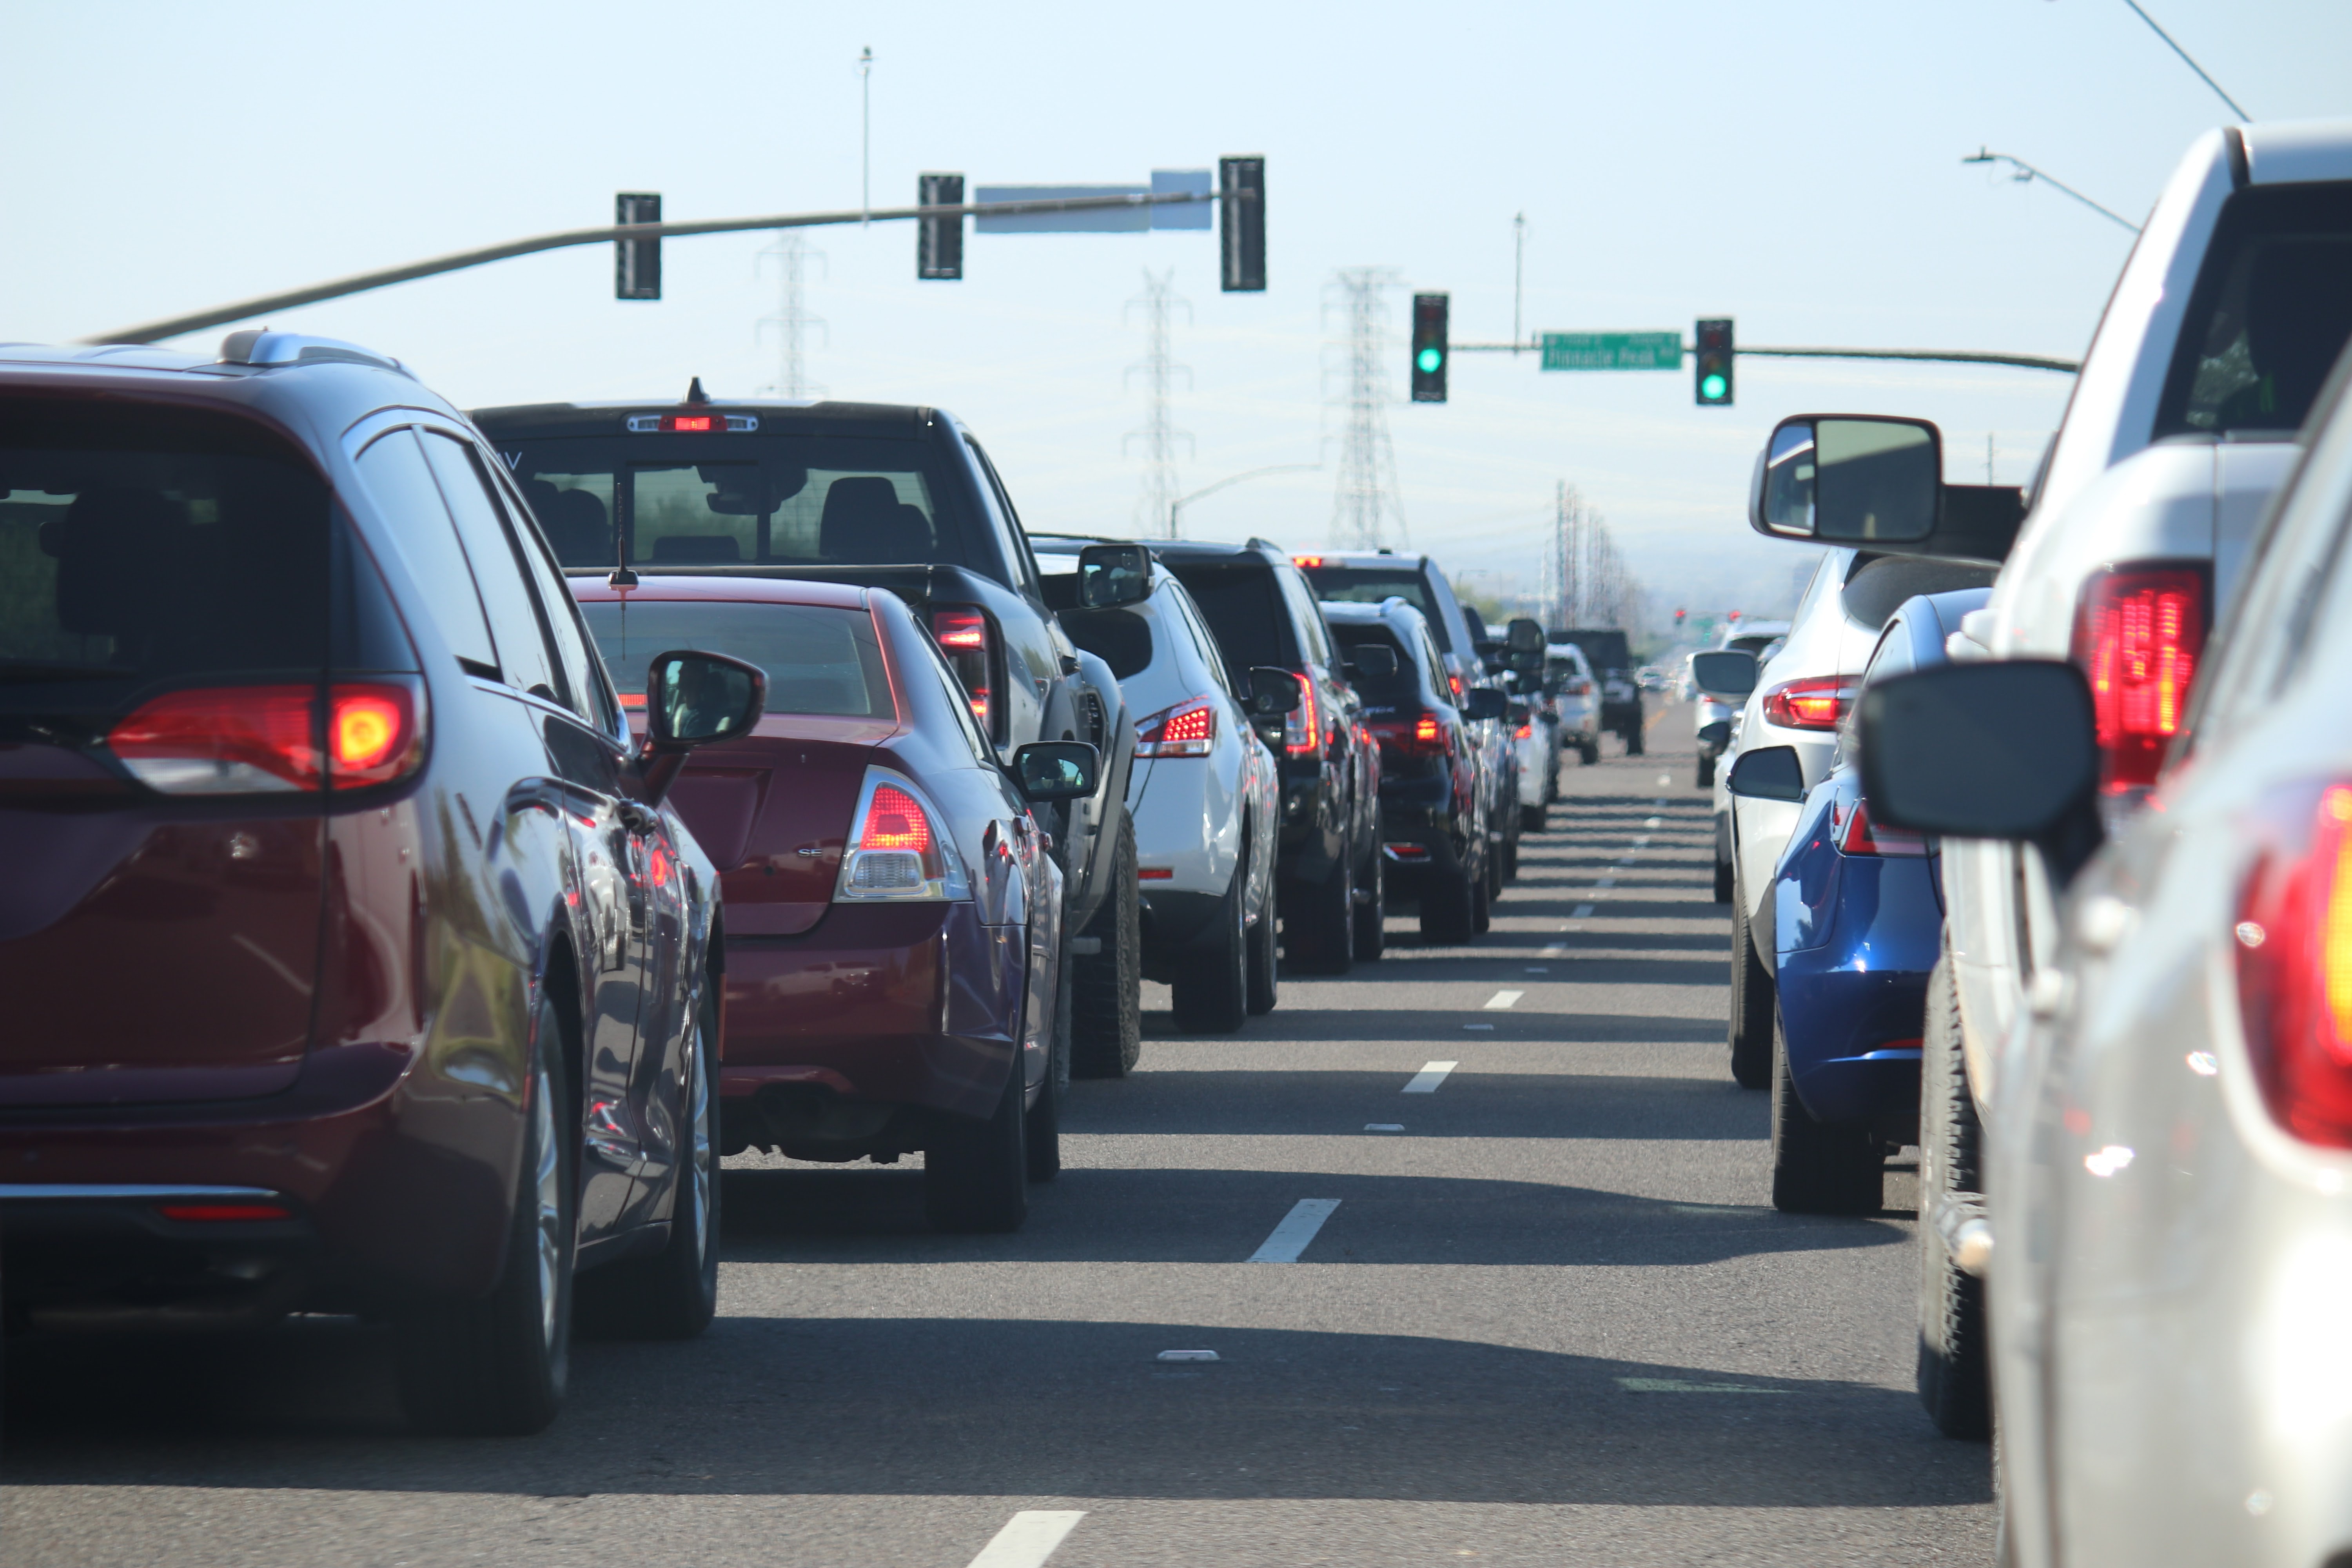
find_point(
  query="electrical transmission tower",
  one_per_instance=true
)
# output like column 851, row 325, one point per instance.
column 1366, row 500
column 1590, row 586
column 1158, row 505
column 792, row 319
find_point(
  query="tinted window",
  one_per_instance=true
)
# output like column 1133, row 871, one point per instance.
column 1245, row 613
column 1371, row 584
column 1007, row 522
column 689, row 500
column 1400, row 689
column 515, row 624
column 1307, row 612
column 582, row 679
column 2272, row 309
column 139, row 548
column 418, row 522
column 1203, row 643
column 819, row 660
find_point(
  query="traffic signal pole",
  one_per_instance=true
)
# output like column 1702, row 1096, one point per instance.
column 1948, row 356
column 360, row 283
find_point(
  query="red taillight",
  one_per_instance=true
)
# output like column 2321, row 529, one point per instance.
column 221, row 1214
column 1156, row 874
column 2295, row 975
column 246, row 739
column 1306, row 562
column 1302, row 727
column 1815, row 702
column 1454, row 684
column 1857, row 835
column 963, row 634
column 894, row 821
column 689, row 422
column 1523, row 733
column 2138, row 636
column 1187, row 730
column 897, row 848
column 1427, row 731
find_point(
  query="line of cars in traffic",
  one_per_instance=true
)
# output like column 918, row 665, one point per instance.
column 512, row 814
column 2038, row 840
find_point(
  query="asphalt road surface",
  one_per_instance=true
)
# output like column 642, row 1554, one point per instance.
column 1547, row 1316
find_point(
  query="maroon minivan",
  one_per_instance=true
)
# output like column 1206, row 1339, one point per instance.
column 893, row 916
column 353, row 960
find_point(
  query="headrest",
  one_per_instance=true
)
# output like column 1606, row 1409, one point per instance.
column 577, row 527
column 861, row 514
column 116, row 549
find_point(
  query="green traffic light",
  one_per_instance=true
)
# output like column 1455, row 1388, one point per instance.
column 1429, row 360
column 1712, row 387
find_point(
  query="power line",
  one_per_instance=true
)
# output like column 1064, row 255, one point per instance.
column 2192, row 65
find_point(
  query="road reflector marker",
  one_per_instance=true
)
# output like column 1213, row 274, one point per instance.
column 1677, row 1386
column 1426, row 1081
column 1028, row 1538
column 1383, row 1126
column 1502, row 999
column 1186, row 1355
column 1291, row 1237
column 1538, row 968
column 1468, row 1027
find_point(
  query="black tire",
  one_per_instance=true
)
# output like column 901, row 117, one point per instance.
column 1107, row 986
column 1590, row 752
column 1481, row 908
column 1633, row 742
column 1210, row 991
column 1445, row 908
column 1955, row 1376
column 1373, row 916
column 1534, row 819
column 1752, row 1009
column 1494, row 869
column 1705, row 774
column 674, row 1294
column 1511, row 851
column 1723, row 881
column 1816, row 1168
column 498, row 1366
column 1318, row 923
column 1265, row 971
column 1041, row 1138
column 976, row 1173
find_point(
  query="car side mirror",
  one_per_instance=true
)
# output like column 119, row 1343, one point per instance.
column 1874, row 480
column 2001, row 750
column 693, row 698
column 1717, row 734
column 1274, row 691
column 1113, row 574
column 1485, row 702
column 1050, row 771
column 1768, row 772
column 1525, row 635
column 1372, row 660
column 1728, row 675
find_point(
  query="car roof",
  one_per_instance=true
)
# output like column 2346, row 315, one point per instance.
column 738, row 590
column 778, row 416
column 1361, row 558
column 1174, row 551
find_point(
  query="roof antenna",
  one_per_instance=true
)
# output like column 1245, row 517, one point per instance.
column 694, row 393
column 623, row 491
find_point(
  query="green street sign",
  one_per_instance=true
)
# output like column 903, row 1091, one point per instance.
column 1612, row 350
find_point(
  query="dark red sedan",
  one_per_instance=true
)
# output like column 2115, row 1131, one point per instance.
column 892, row 918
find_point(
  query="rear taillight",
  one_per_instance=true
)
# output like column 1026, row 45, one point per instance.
column 964, row 637
column 223, row 1214
column 1302, row 727
column 272, row 740
column 1402, row 741
column 1815, row 702
column 1855, row 833
column 1187, row 730
column 2139, row 633
column 898, row 847
column 1454, row 684
column 1524, row 732
column 2294, row 974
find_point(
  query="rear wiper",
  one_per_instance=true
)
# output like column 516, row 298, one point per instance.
column 25, row 671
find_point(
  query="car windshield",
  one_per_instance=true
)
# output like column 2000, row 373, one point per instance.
column 819, row 659
column 2272, row 309
column 724, row 500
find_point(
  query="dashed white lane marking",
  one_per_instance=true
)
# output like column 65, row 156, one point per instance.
column 1581, row 911
column 1426, row 1081
column 1383, row 1126
column 1665, row 779
column 1028, row 1538
column 1186, row 1355
column 1535, row 969
column 1288, row 1241
column 1553, row 952
column 1653, row 822
column 1502, row 999
column 1489, row 1027
column 1676, row 1385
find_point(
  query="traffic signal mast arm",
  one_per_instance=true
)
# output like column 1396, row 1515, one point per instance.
column 360, row 283
column 1953, row 356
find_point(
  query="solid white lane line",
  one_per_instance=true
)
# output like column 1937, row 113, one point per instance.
column 1029, row 1537
column 1502, row 999
column 1426, row 1081
column 1582, row 911
column 1290, row 1238
column 1553, row 952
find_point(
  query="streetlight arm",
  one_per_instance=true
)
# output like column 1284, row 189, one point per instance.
column 2030, row 172
column 1181, row 502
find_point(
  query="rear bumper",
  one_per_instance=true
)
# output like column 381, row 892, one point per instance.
column 1420, row 845
column 1853, row 1005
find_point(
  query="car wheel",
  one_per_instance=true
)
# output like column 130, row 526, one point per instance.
column 1373, row 915
column 1633, row 742
column 1534, row 819
column 1816, row 1168
column 976, row 1173
column 1482, row 907
column 1705, row 774
column 1751, row 1006
column 1510, row 851
column 1590, row 752
column 1319, row 927
column 674, row 1294
column 1210, row 991
column 1723, row 881
column 1043, row 1136
column 1446, row 907
column 1494, row 869
column 1107, row 985
column 499, row 1365
column 1265, row 968
column 1954, row 1376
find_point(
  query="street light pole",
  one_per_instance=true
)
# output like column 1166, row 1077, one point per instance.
column 1176, row 507
column 2028, row 172
column 865, row 135
column 1519, row 274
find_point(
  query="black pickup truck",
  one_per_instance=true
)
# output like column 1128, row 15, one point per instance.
column 883, row 495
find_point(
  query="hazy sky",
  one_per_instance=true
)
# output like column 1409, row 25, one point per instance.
column 1795, row 166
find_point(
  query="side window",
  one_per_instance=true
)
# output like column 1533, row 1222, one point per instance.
column 1203, row 642
column 1435, row 667
column 1025, row 558
column 394, row 470
column 1307, row 613
column 583, row 673
column 1001, row 526
column 513, row 609
column 1815, row 585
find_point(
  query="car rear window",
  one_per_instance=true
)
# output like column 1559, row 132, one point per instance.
column 143, row 549
column 819, row 660
column 1245, row 610
column 744, row 500
column 1400, row 689
column 1373, row 585
column 2272, row 309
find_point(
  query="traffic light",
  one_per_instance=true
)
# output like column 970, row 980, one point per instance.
column 1678, row 618
column 636, row 263
column 1713, row 362
column 1241, row 194
column 1429, row 350
column 938, row 241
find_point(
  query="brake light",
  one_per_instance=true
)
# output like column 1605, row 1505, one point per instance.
column 1454, row 684
column 1426, row 730
column 1302, row 727
column 1523, row 733
column 963, row 634
column 1187, row 730
column 2138, row 633
column 897, row 850
column 1859, row 836
column 2294, row 974
column 1306, row 562
column 250, row 740
column 221, row 1214
column 1814, row 703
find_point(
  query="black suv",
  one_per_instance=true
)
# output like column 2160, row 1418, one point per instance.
column 883, row 495
column 1331, row 890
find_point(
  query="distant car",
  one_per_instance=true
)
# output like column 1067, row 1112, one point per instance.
column 1576, row 698
column 1650, row 678
column 894, row 931
column 1204, row 795
column 355, row 959
column 1434, row 830
column 1535, row 734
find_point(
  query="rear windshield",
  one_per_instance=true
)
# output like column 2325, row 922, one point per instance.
column 1371, row 584
column 144, row 549
column 2272, row 309
column 724, row 500
column 1605, row 651
column 1401, row 689
column 1243, row 608
column 819, row 660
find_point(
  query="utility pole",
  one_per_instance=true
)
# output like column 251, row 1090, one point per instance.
column 1519, row 277
column 865, row 135
column 1160, row 490
column 792, row 319
column 1366, row 493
